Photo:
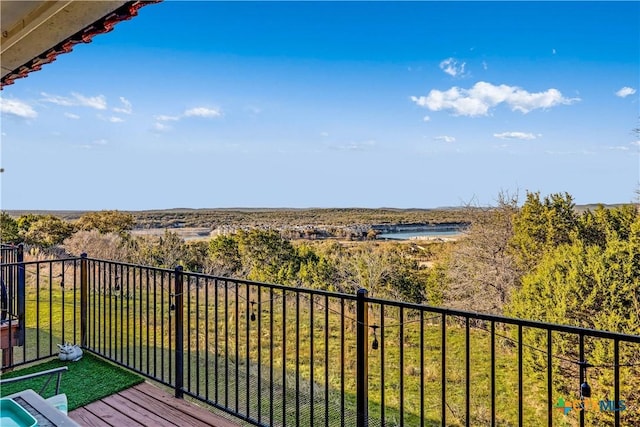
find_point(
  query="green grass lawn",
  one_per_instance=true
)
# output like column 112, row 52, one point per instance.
column 86, row 381
column 138, row 331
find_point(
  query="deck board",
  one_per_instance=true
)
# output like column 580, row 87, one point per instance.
column 146, row 404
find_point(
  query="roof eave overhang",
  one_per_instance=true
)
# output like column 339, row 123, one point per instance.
column 55, row 27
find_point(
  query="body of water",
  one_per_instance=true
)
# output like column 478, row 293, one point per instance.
column 419, row 234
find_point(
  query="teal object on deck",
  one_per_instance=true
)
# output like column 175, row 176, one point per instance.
column 14, row 415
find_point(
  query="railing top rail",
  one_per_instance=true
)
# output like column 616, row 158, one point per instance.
column 44, row 261
column 509, row 320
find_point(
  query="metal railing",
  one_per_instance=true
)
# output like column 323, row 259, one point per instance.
column 274, row 355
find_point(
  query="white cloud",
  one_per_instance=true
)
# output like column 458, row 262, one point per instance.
column 161, row 127
column 445, row 138
column 192, row 112
column 164, row 118
column 485, row 66
column 619, row 148
column 17, row 108
column 72, row 116
column 625, row 91
column 637, row 143
column 202, row 112
column 114, row 119
column 426, row 119
column 126, row 109
column 515, row 135
column 325, row 134
column 478, row 100
column 100, row 142
column 98, row 102
column 452, row 67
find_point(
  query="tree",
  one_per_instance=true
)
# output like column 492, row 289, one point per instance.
column 267, row 257
column 590, row 285
column 109, row 246
column 384, row 271
column 106, row 221
column 46, row 231
column 224, row 256
column 542, row 225
column 482, row 270
column 8, row 229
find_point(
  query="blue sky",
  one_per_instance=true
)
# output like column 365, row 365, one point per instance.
column 329, row 104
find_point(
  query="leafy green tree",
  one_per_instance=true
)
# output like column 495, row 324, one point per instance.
column 542, row 225
column 46, row 231
column 224, row 256
column 267, row 257
column 589, row 285
column 25, row 221
column 383, row 270
column 106, row 221
column 8, row 229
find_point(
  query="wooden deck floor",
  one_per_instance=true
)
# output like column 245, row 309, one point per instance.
column 146, row 405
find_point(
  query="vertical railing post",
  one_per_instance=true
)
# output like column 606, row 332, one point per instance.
column 179, row 320
column 84, row 300
column 21, row 294
column 362, row 362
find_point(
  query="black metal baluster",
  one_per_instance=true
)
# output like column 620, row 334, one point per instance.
column 260, row 354
column 297, row 399
column 247, row 361
column 50, row 308
column 581, row 356
column 382, row 387
column 493, row 373
column 271, row 342
column 284, row 358
column 162, row 330
column 311, row 347
column 206, row 338
column 616, row 382
column 401, row 344
column 326, row 360
column 520, row 378
column 421, row 368
column 237, row 347
column 467, row 369
column 38, row 310
column 216, row 306
column 443, row 397
column 341, row 361
column 226, row 343
column 549, row 381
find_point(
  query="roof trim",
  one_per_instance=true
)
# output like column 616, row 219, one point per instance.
column 101, row 26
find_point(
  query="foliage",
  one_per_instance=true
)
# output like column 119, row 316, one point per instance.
column 106, row 221
column 593, row 281
column 45, row 231
column 224, row 256
column 8, row 229
column 542, row 225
